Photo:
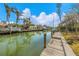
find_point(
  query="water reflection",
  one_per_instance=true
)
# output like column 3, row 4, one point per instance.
column 28, row 43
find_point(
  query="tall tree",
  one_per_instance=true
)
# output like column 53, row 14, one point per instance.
column 8, row 11
column 58, row 7
column 17, row 13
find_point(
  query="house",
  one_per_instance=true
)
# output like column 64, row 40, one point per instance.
column 3, row 26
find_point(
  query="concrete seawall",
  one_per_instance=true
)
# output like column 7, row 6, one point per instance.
column 57, row 47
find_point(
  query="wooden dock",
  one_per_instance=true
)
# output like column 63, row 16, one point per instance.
column 57, row 47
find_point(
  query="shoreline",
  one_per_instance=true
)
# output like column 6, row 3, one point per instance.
column 12, row 32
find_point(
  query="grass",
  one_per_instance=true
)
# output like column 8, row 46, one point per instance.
column 73, row 42
column 75, row 48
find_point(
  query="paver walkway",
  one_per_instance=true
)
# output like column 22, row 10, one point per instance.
column 57, row 47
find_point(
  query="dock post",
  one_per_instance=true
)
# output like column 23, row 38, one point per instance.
column 44, row 39
column 51, row 34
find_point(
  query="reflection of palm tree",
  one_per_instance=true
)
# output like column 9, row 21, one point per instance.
column 38, row 33
column 28, row 37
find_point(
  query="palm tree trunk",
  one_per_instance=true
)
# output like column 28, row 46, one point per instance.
column 7, row 18
column 59, row 12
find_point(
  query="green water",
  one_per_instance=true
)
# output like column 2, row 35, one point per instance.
column 23, row 44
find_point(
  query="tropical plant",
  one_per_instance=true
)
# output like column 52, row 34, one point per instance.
column 70, row 21
column 8, row 11
column 17, row 13
column 58, row 6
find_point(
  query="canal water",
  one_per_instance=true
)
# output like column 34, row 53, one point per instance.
column 23, row 44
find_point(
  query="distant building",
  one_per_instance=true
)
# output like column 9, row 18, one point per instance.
column 3, row 24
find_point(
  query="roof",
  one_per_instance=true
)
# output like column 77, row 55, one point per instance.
column 3, row 25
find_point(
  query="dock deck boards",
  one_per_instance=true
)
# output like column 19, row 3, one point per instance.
column 57, row 47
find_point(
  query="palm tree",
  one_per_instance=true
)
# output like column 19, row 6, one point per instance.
column 17, row 15
column 16, row 11
column 27, row 21
column 24, row 21
column 59, row 10
column 8, row 11
column 58, row 6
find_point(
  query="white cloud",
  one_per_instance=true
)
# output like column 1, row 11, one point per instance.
column 45, row 19
column 21, row 17
column 11, row 22
column 26, row 13
column 63, row 14
column 34, row 19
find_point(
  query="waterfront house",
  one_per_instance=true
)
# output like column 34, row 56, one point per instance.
column 3, row 26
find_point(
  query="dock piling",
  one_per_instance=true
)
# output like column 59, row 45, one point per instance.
column 44, row 39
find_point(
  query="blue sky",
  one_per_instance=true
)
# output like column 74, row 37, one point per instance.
column 35, row 9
